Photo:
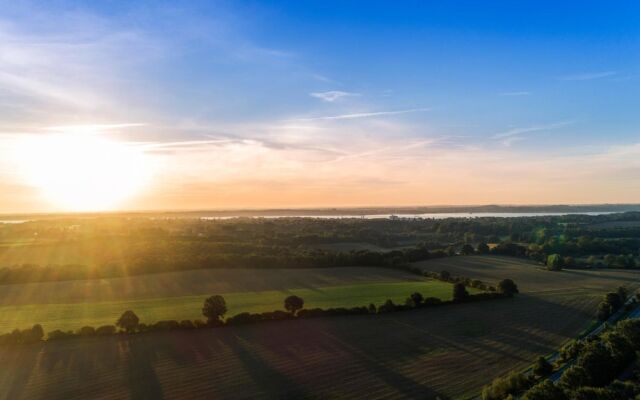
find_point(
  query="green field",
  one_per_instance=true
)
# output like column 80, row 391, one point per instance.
column 75, row 315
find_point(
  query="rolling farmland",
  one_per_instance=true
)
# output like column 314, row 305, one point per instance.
column 73, row 316
column 415, row 354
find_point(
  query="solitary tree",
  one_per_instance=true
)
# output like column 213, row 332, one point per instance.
column 459, row 292
column 214, row 308
column 128, row 321
column 508, row 287
column 554, row 262
column 542, row 367
column 293, row 304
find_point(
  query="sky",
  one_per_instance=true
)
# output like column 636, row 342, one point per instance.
column 149, row 105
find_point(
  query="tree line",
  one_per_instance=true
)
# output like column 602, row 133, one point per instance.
column 215, row 309
column 599, row 361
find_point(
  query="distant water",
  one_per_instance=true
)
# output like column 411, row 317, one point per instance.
column 428, row 215
column 386, row 216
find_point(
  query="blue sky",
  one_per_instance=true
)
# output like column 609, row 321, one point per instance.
column 317, row 103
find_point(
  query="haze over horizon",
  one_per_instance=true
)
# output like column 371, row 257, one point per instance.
column 157, row 105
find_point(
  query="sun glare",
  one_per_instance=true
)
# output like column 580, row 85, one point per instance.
column 83, row 172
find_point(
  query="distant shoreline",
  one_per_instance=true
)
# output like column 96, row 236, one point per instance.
column 341, row 212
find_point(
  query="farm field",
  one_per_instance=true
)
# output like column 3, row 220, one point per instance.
column 448, row 352
column 194, row 282
column 73, row 316
column 533, row 278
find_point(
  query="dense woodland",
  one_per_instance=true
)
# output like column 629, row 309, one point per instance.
column 118, row 246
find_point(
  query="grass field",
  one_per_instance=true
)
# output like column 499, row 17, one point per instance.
column 75, row 315
column 448, row 352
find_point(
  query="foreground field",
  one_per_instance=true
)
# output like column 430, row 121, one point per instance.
column 75, row 315
column 446, row 352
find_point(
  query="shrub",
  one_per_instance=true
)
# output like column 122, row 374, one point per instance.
column 507, row 287
column 542, row 367
column 106, row 330
column 187, row 324
column 59, row 335
column 460, row 292
column 87, row 331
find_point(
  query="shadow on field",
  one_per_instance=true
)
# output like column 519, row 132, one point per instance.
column 421, row 354
column 17, row 366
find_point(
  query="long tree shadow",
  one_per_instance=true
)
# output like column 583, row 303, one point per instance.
column 140, row 374
column 18, row 366
column 267, row 378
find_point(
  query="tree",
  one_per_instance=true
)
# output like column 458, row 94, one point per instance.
column 574, row 377
column 128, row 321
column 545, row 390
column 554, row 262
column 508, row 287
column 293, row 304
column 388, row 306
column 483, row 248
column 37, row 332
column 459, row 292
column 542, row 367
column 614, row 299
column 445, row 275
column 415, row 300
column 467, row 249
column 214, row 308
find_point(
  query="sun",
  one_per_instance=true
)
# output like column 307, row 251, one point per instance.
column 83, row 172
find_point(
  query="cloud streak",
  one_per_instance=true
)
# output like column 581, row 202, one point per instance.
column 588, row 76
column 514, row 94
column 362, row 115
column 332, row 95
column 535, row 128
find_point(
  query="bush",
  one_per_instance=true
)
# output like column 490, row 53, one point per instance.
column 87, row 331
column 554, row 262
column 187, row 324
column 507, row 287
column 166, row 325
column 59, row 335
column 460, row 292
column 106, row 330
column 542, row 367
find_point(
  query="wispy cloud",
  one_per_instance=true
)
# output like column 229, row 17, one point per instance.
column 514, row 94
column 362, row 115
column 92, row 127
column 588, row 76
column 332, row 95
column 535, row 128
